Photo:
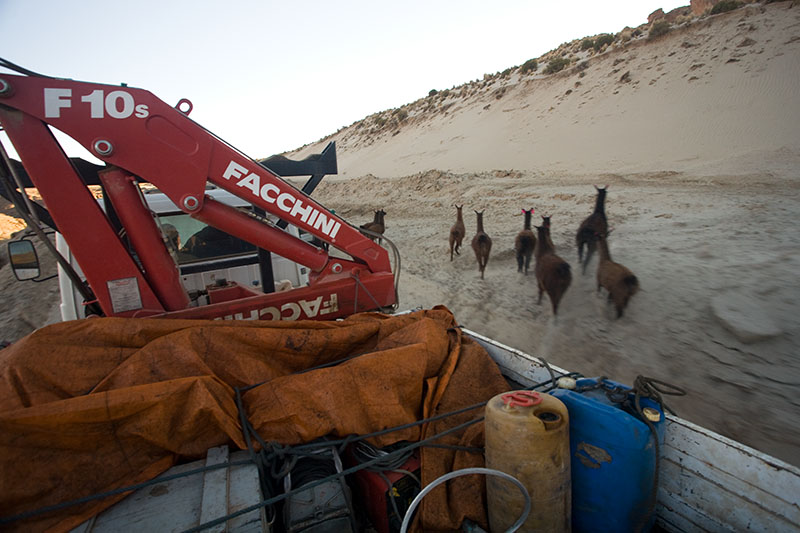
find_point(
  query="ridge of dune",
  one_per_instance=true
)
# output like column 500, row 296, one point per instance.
column 706, row 97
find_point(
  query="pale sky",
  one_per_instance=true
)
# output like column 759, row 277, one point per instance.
column 270, row 76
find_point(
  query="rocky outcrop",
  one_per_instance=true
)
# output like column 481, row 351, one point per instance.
column 701, row 6
column 658, row 14
column 678, row 12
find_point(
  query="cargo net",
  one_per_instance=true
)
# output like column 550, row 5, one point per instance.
column 275, row 461
column 286, row 471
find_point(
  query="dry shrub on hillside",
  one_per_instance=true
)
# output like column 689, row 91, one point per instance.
column 556, row 65
column 659, row 28
column 529, row 66
column 603, row 40
column 725, row 6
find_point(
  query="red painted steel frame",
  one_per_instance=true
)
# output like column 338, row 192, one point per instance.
column 158, row 265
column 337, row 297
column 234, row 222
column 135, row 131
column 175, row 154
column 94, row 243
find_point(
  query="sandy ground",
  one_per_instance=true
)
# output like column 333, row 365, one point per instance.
column 700, row 147
column 686, row 240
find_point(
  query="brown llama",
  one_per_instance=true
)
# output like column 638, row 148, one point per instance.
column 618, row 280
column 552, row 273
column 593, row 225
column 546, row 224
column 376, row 226
column 481, row 244
column 525, row 243
column 457, row 232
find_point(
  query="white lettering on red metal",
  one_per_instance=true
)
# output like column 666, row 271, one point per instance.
column 285, row 201
column 113, row 101
column 117, row 104
column 294, row 311
column 302, row 309
column 54, row 100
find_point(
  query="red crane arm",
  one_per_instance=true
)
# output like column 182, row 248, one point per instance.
column 137, row 134
column 134, row 130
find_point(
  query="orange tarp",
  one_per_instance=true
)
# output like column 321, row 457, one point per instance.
column 94, row 405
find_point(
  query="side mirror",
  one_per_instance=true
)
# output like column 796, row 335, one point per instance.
column 24, row 260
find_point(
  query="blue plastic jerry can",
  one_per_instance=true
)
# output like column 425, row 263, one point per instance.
column 613, row 456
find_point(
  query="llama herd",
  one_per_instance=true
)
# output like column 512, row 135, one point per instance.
column 553, row 274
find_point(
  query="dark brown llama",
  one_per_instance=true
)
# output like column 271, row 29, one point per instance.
column 595, row 224
column 525, row 243
column 376, row 226
column 552, row 273
column 457, row 233
column 481, row 244
column 546, row 224
column 618, row 280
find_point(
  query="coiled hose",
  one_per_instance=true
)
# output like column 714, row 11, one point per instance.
column 464, row 472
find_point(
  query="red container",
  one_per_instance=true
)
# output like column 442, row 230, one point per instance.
column 376, row 495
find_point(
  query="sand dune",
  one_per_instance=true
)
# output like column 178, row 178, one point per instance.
column 707, row 97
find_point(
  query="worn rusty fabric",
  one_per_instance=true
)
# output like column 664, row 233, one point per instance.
column 94, row 405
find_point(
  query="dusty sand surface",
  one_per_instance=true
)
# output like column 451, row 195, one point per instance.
column 697, row 134
column 688, row 241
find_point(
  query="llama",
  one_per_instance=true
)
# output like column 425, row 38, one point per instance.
column 376, row 226
column 546, row 224
column 618, row 280
column 525, row 243
column 595, row 224
column 552, row 273
column 481, row 244
column 457, row 232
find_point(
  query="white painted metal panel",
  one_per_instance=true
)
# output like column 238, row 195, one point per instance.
column 718, row 484
column 183, row 503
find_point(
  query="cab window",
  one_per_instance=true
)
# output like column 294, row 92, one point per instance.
column 192, row 240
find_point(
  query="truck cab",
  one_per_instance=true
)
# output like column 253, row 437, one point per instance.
column 204, row 255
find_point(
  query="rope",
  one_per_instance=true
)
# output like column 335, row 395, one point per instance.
column 363, row 451
column 359, row 284
column 262, row 458
column 343, row 473
column 644, row 387
column 121, row 490
column 11, row 66
column 256, row 457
